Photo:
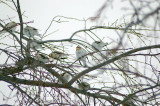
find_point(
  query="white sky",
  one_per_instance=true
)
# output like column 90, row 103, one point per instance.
column 42, row 12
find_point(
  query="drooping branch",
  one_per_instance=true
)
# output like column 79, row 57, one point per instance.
column 131, row 95
column 51, row 84
column 10, row 80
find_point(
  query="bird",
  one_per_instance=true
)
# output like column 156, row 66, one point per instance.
column 66, row 76
column 21, row 63
column 33, row 44
column 30, row 31
column 129, row 103
column 124, row 63
column 81, row 55
column 57, row 55
column 41, row 57
column 83, row 86
column 98, row 45
column 11, row 26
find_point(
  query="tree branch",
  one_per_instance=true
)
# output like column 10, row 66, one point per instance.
column 111, row 61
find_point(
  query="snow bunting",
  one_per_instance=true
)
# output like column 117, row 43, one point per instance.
column 83, row 86
column 57, row 55
column 33, row 44
column 41, row 57
column 98, row 45
column 124, row 63
column 30, row 31
column 11, row 26
column 66, row 76
column 81, row 55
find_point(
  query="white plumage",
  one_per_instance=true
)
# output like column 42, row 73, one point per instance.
column 57, row 55
column 9, row 26
column 98, row 45
column 83, row 86
column 81, row 55
column 66, row 76
column 30, row 31
column 41, row 57
column 33, row 44
column 124, row 63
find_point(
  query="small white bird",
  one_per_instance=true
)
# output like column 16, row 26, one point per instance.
column 57, row 55
column 98, row 45
column 41, row 57
column 11, row 26
column 30, row 31
column 66, row 76
column 124, row 63
column 83, row 86
column 81, row 55
column 33, row 44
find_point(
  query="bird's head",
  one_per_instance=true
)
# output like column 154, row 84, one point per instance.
column 51, row 55
column 78, row 48
column 11, row 25
column 97, row 42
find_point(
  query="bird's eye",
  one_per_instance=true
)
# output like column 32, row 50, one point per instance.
column 42, row 55
column 34, row 29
